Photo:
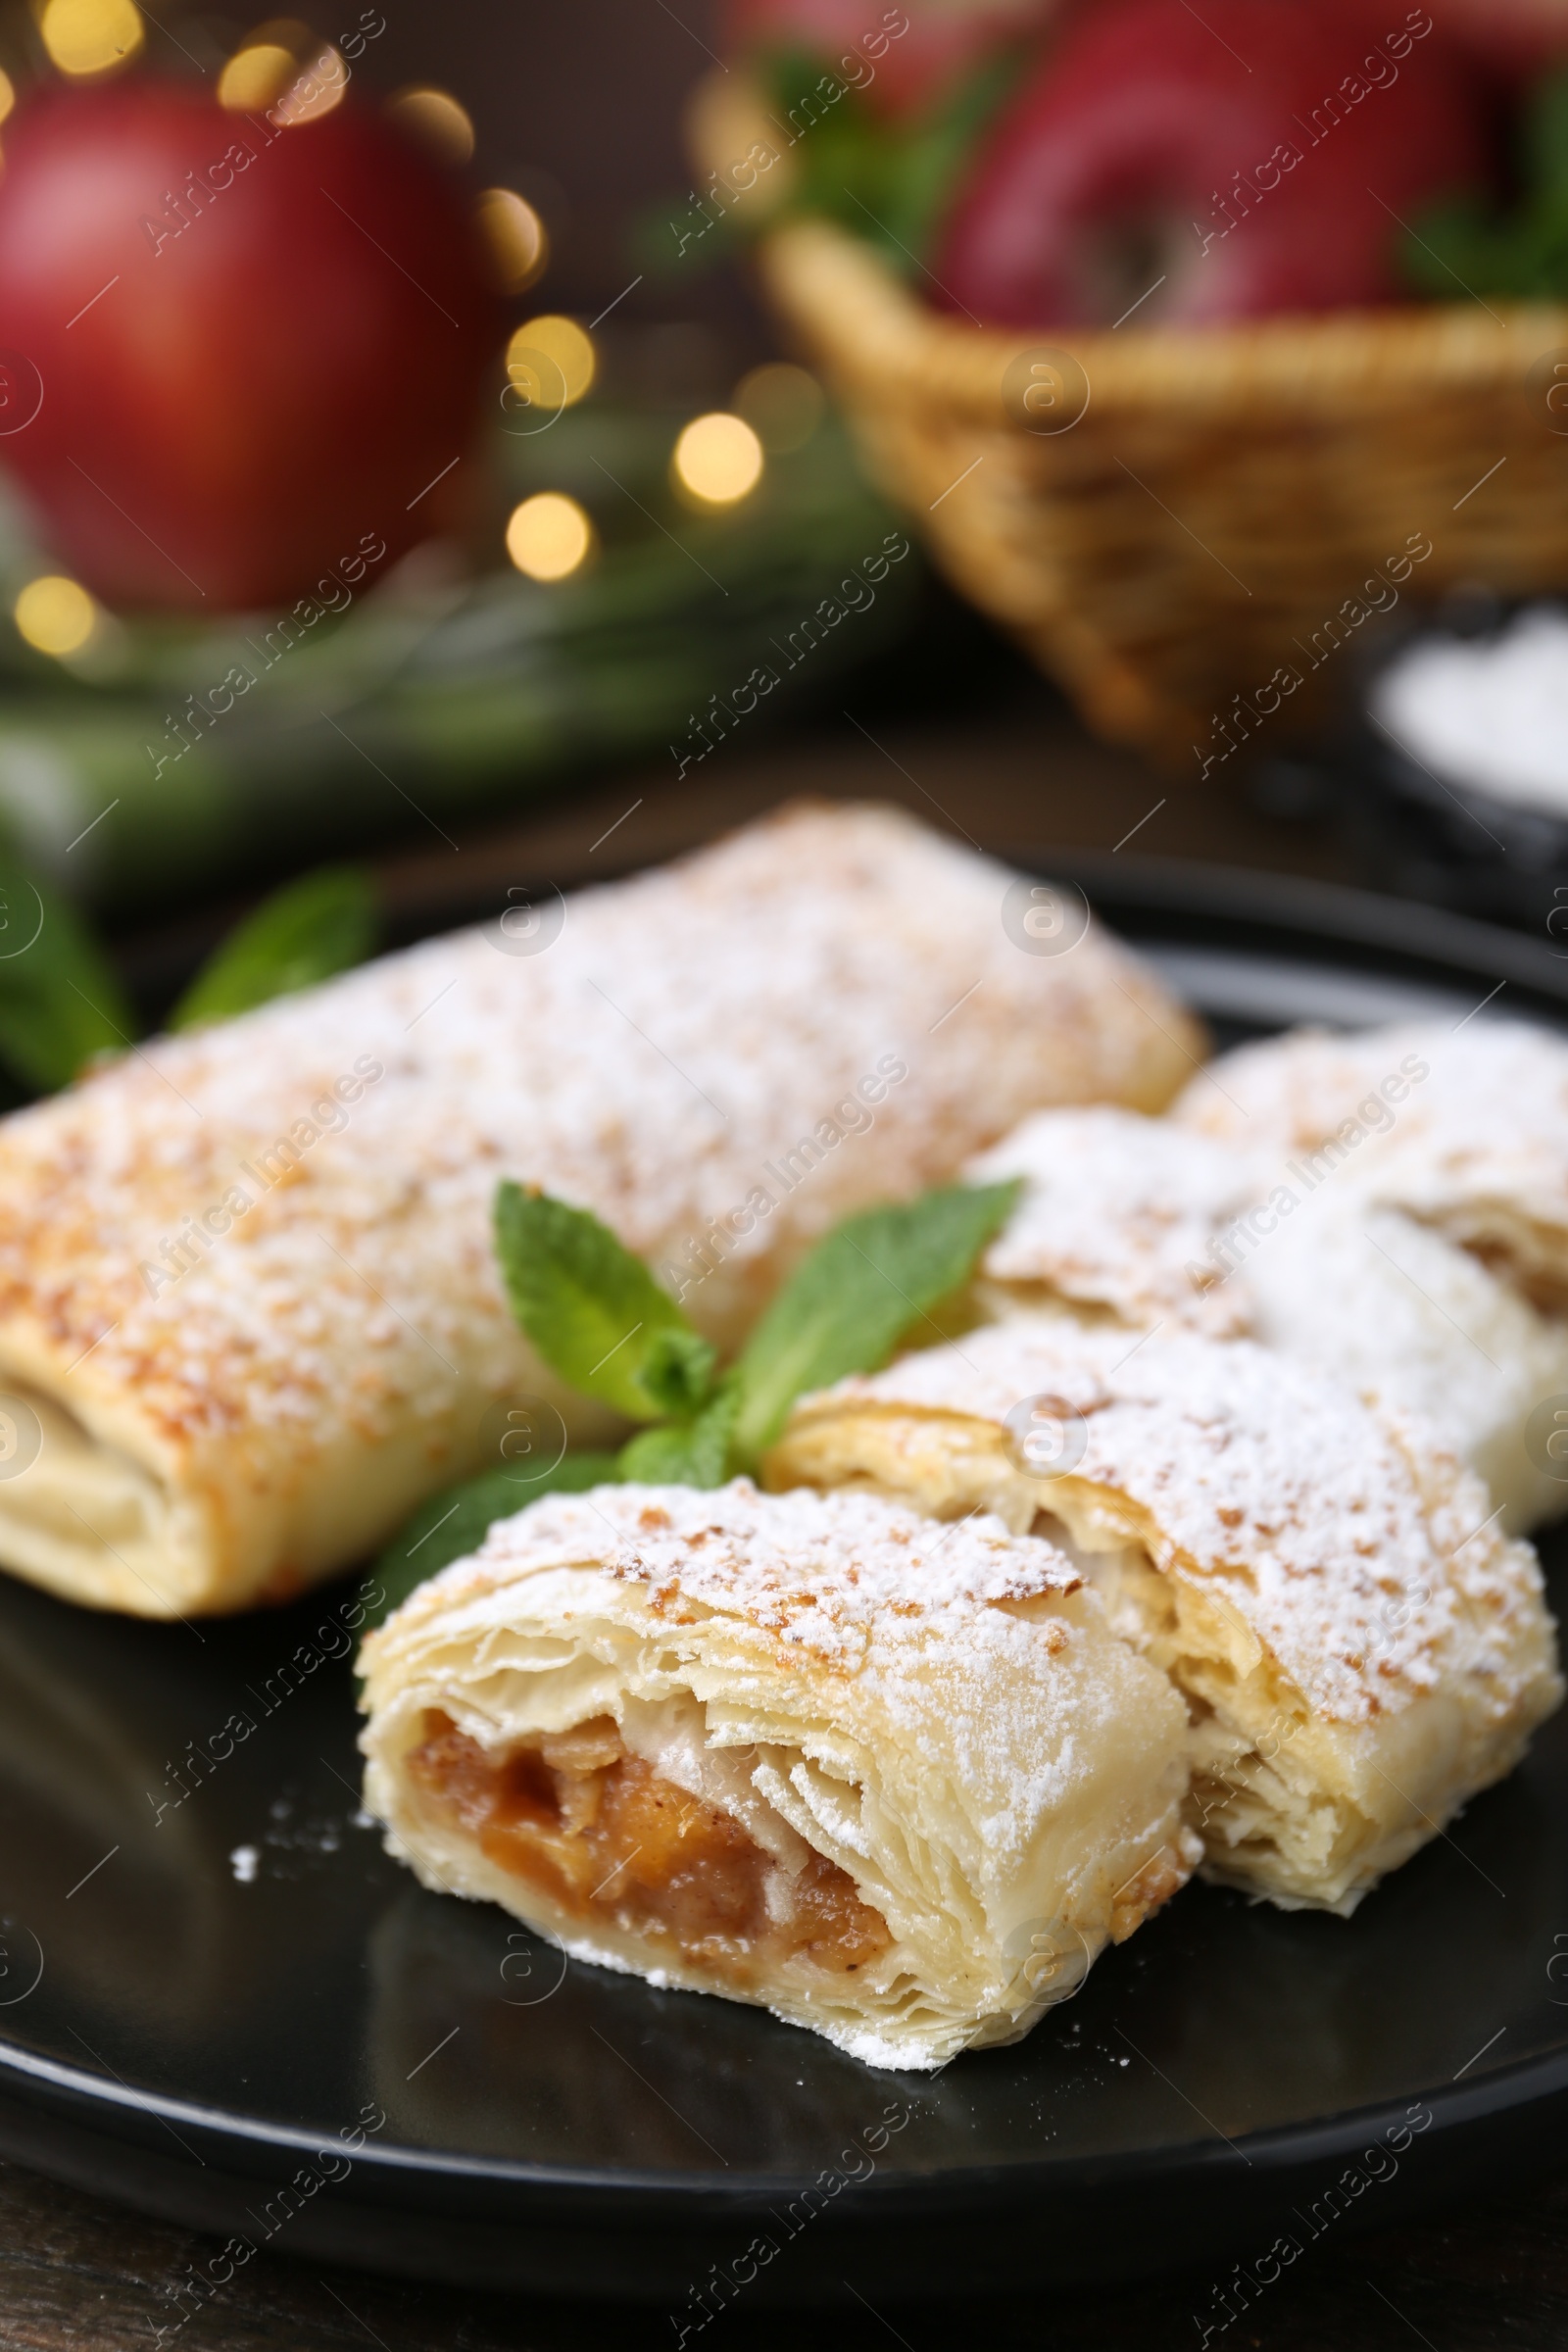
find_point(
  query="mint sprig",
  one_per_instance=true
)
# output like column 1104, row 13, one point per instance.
column 872, row 1279
column 594, row 1312
column 685, row 1453
column 598, row 1318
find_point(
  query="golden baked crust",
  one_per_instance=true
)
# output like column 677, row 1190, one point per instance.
column 248, row 1271
column 1360, row 1647
column 930, row 1734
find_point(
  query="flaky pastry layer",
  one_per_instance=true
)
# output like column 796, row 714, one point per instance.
column 1360, row 1647
column 897, row 1784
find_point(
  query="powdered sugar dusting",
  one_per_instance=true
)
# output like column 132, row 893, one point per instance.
column 1117, row 1209
column 823, row 1572
column 1391, row 1207
column 1273, row 1484
column 1488, row 1114
column 1479, row 1150
column 684, row 1029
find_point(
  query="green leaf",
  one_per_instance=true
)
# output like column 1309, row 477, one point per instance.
column 852, row 1300
column 322, row 924
column 1465, row 245
column 694, row 1454
column 59, row 999
column 452, row 1525
column 593, row 1311
column 937, row 153
column 888, row 181
column 678, row 1372
column 1545, row 135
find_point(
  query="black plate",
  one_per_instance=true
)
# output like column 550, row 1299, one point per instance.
column 300, row 2047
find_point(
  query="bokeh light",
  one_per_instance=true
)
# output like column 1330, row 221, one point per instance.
column 254, row 77
column 549, row 535
column 564, row 341
column 515, row 235
column 437, row 120
column 782, row 404
column 84, row 37
column 8, row 95
column 320, row 83
column 55, row 614
column 718, row 459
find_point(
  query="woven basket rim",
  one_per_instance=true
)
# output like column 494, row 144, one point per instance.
column 848, row 302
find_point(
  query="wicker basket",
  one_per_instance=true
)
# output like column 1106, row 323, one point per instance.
column 1193, row 552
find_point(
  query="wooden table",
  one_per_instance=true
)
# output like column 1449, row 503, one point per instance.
column 76, row 2273
column 79, row 2275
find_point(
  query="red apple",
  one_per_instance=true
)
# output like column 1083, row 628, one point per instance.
column 1253, row 156
column 904, row 56
column 248, row 347
column 1512, row 40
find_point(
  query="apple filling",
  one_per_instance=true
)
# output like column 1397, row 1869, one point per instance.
column 604, row 1837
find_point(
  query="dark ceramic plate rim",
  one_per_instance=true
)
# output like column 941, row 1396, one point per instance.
column 1504, row 2092
column 1155, row 901
column 1160, row 898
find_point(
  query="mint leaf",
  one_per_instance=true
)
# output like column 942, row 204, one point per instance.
column 694, row 1453
column 59, row 999
column 594, row 1312
column 678, row 1372
column 322, row 924
column 850, row 1302
column 451, row 1525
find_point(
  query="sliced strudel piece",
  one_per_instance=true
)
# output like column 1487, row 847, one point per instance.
column 1419, row 1243
column 1360, row 1649
column 1464, row 1128
column 1357, row 1259
column 897, row 1782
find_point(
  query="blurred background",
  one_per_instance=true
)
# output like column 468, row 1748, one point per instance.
column 503, row 445
column 582, row 110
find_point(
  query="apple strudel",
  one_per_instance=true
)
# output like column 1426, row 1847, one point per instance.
column 1361, row 1262
column 249, row 1313
column 895, row 1783
column 1420, row 1240
column 1464, row 1128
column 1360, row 1646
